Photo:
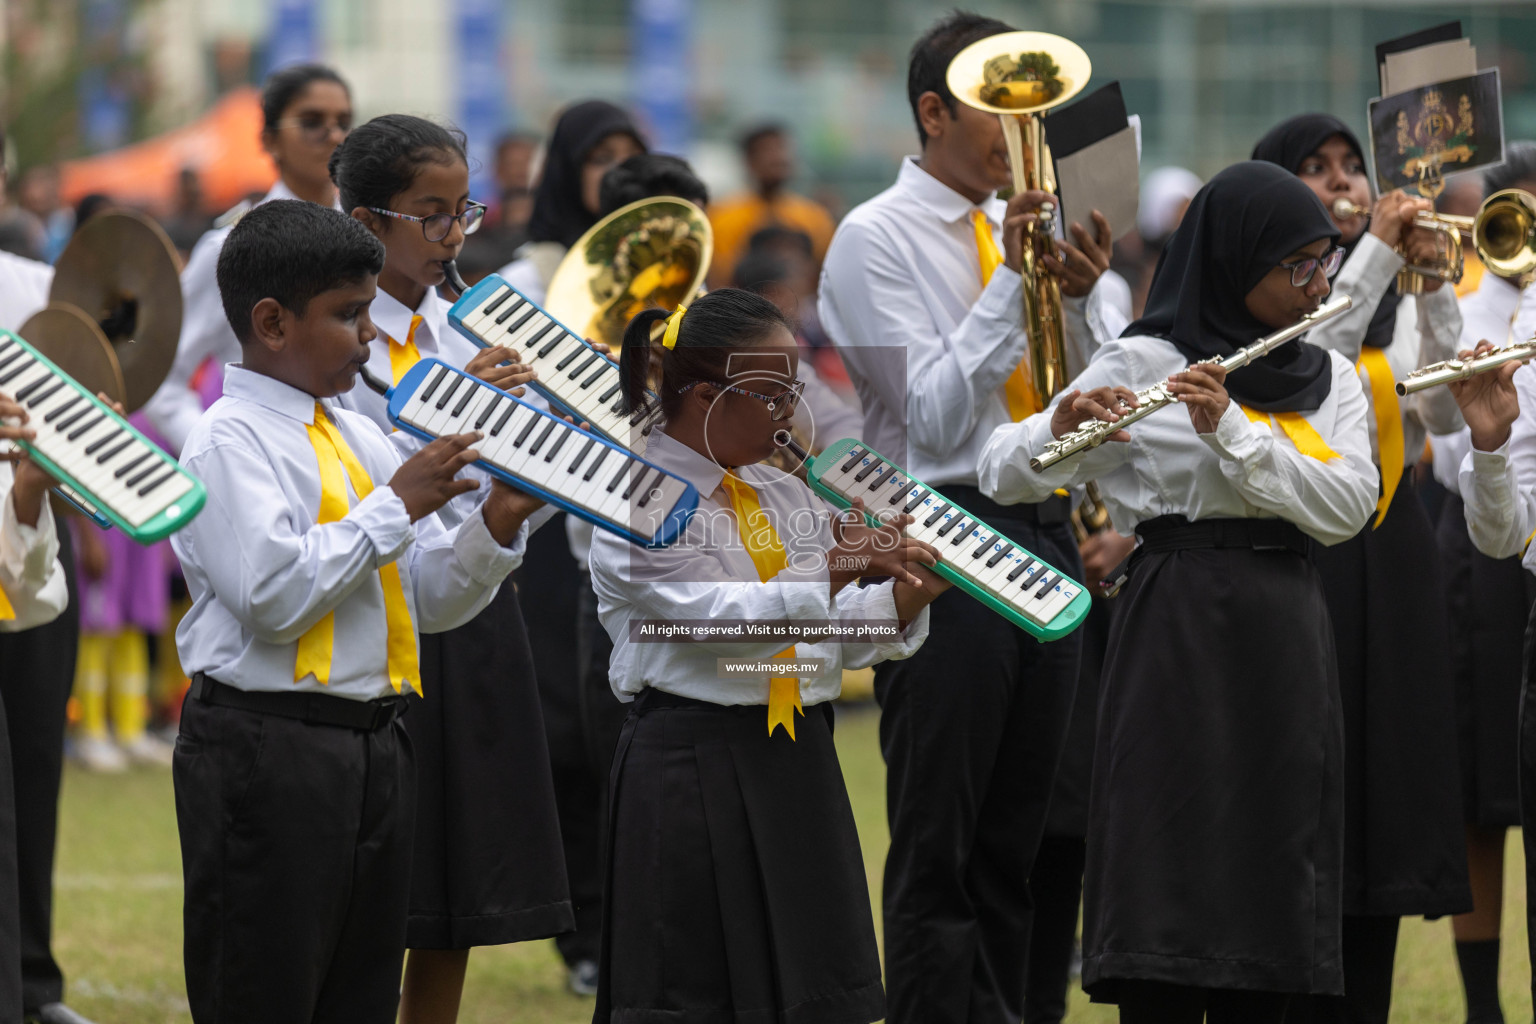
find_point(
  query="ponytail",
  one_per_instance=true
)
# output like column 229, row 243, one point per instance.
column 635, row 359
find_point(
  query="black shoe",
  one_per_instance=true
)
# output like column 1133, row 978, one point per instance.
column 583, row 978
column 56, row 1013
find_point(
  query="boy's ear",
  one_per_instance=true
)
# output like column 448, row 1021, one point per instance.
column 933, row 114
column 269, row 325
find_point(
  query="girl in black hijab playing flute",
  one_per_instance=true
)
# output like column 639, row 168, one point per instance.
column 1212, row 886
column 1404, row 842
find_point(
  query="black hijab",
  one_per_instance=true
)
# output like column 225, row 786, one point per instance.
column 1288, row 144
column 558, row 213
column 1237, row 228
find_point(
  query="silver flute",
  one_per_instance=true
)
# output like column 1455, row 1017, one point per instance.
column 1092, row 433
column 1460, row 369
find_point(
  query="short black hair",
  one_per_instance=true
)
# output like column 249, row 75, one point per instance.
column 931, row 54
column 291, row 251
column 777, row 237
column 281, row 87
column 380, row 159
column 646, row 175
column 1519, row 165
column 768, row 130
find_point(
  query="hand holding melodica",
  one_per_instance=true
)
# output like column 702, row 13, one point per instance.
column 884, row 550
column 1489, row 402
column 505, row 509
column 499, row 367
column 425, row 481
column 1203, row 389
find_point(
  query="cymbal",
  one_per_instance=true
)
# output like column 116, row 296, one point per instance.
column 1002, row 73
column 77, row 346
column 121, row 270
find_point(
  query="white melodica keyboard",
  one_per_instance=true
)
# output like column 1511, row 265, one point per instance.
column 538, row 452
column 573, row 375
column 114, row 473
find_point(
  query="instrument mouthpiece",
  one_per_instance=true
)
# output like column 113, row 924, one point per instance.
column 451, row 273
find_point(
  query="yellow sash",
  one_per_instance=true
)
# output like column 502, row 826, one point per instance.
column 1295, row 426
column 1389, row 424
column 767, row 551
column 338, row 465
column 1019, row 388
column 403, row 357
column 6, row 611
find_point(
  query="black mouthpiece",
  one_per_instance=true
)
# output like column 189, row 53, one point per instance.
column 451, row 272
column 372, row 381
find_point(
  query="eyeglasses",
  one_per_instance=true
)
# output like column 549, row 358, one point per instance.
column 317, row 128
column 780, row 406
column 436, row 227
column 1302, row 270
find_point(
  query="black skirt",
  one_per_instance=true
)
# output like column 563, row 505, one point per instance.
column 488, row 866
column 736, row 888
column 1216, row 816
column 1404, row 839
column 1490, row 599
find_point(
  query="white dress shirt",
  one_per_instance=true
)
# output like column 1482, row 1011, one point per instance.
column 261, row 571
column 1428, row 329
column 24, row 286
column 205, row 334
column 30, row 573
column 1242, row 470
column 1499, row 487
column 709, row 575
column 928, row 347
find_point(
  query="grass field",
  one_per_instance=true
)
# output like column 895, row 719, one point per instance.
column 119, row 914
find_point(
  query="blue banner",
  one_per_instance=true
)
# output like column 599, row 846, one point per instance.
column 295, row 35
column 661, row 72
column 105, row 108
column 481, row 108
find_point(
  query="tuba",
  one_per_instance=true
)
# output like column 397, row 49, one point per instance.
column 1503, row 232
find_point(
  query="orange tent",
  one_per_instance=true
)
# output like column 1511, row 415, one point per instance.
column 223, row 146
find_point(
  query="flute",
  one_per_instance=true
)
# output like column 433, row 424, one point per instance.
column 1460, row 369
column 1092, row 433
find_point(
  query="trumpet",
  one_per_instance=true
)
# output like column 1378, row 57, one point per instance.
column 1092, row 433
column 1451, row 370
column 1503, row 232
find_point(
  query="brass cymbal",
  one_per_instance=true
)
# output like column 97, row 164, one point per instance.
column 1018, row 72
column 122, row 271
column 653, row 252
column 74, row 343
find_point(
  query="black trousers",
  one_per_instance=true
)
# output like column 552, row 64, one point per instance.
column 971, row 727
column 1370, row 950
column 296, row 853
column 1157, row 1002
column 37, row 670
column 1056, row 887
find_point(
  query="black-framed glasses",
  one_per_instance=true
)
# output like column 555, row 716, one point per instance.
column 781, row 406
column 317, row 127
column 436, row 226
column 1302, row 270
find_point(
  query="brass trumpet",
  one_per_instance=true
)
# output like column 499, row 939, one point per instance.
column 1503, row 232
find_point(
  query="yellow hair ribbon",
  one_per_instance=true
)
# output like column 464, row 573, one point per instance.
column 674, row 324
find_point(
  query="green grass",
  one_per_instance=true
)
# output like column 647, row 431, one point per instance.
column 119, row 914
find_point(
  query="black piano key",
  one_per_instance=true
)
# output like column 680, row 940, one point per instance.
column 32, row 389
column 490, row 307
column 511, row 309
column 981, row 548
column 1021, row 567
column 999, row 555
column 522, row 436
column 128, row 467
column 965, row 532
column 938, row 514
column 858, row 477
column 853, row 459
column 623, row 468
column 534, row 448
column 581, row 456
column 8, row 360
column 554, row 449
column 112, row 452
column 47, row 393
column 617, row 408
column 618, row 386
column 458, row 378
column 954, row 522
column 597, row 375
column 903, row 488
column 594, row 357
column 469, row 396
column 6, row 343
column 485, row 414
column 592, row 469
column 917, row 499
column 73, row 418
column 87, row 427
column 1045, row 588
column 554, row 342
column 60, row 410
column 634, row 481
column 17, row 371
column 437, row 378
column 570, row 356
column 517, row 324
column 511, row 408
column 650, row 488
column 885, row 474
column 1032, row 577
column 157, row 481
column 142, row 475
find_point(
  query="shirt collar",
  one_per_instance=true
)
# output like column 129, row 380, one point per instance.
column 949, row 205
column 280, row 190
column 270, row 393
column 393, row 319
column 675, row 457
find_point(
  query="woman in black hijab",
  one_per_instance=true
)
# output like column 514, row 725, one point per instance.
column 1215, row 820
column 1405, row 847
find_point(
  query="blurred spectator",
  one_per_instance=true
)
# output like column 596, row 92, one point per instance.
column 1165, row 195
column 1463, row 197
column 37, row 192
column 770, row 158
column 89, row 206
column 506, row 225
column 20, row 232
column 647, row 176
column 189, row 218
column 795, row 251
column 515, row 155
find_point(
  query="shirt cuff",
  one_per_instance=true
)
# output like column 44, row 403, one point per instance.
column 1234, row 436
column 1002, row 296
column 486, row 561
column 28, row 551
column 385, row 522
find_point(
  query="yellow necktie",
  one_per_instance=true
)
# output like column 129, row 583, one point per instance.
column 767, row 551
column 338, row 465
column 1019, row 388
column 1295, row 426
column 1389, row 424
column 403, row 357
column 6, row 611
